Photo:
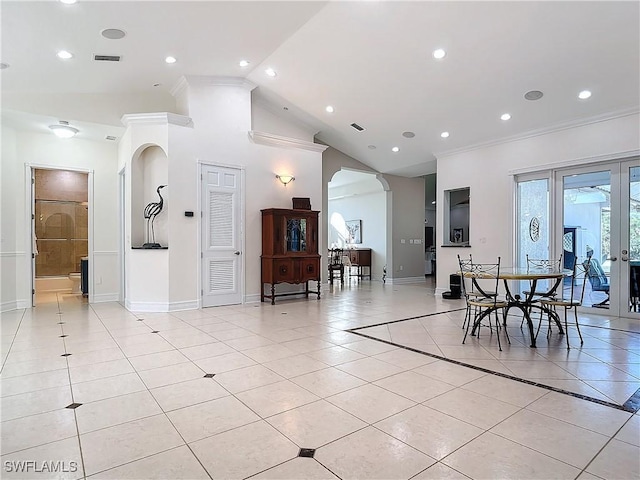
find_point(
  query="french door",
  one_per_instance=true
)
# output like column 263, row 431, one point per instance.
column 598, row 217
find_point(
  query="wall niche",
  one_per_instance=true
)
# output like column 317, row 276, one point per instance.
column 149, row 171
column 456, row 217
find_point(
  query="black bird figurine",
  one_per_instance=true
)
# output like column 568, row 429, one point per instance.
column 151, row 211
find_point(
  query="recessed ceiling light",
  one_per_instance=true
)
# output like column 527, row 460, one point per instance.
column 444, row 134
column 4, row 65
column 439, row 53
column 243, row 63
column 533, row 95
column 329, row 109
column 395, row 149
column 113, row 33
column 64, row 55
column 63, row 131
column 270, row 72
column 170, row 60
column 408, row 134
column 68, row 2
column 371, row 147
column 505, row 116
column 584, row 94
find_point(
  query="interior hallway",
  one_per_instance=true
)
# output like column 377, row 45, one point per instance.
column 237, row 392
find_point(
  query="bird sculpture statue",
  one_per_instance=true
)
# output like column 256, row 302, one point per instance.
column 151, row 211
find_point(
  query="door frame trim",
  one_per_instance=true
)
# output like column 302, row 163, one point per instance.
column 30, row 191
column 199, row 180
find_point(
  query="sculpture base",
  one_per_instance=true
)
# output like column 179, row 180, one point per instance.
column 151, row 245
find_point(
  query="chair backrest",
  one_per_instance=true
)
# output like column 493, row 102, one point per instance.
column 580, row 272
column 533, row 263
column 596, row 275
column 335, row 258
column 489, row 274
column 465, row 266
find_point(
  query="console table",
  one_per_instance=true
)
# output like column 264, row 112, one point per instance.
column 361, row 259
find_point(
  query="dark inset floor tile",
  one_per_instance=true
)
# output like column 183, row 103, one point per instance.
column 307, row 452
column 210, row 375
column 73, row 406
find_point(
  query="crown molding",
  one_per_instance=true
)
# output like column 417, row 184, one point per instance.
column 558, row 127
column 271, row 140
column 209, row 80
column 608, row 157
column 159, row 118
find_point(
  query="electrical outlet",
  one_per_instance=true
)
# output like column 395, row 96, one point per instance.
column 401, row 268
column 402, row 240
column 411, row 241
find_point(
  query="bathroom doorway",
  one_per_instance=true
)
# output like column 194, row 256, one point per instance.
column 60, row 228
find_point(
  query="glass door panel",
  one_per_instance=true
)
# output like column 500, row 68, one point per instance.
column 630, row 252
column 587, row 231
column 532, row 220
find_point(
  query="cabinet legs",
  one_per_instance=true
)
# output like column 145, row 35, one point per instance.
column 273, row 294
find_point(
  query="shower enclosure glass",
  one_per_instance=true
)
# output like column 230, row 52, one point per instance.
column 61, row 222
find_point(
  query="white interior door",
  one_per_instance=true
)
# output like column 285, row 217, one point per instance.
column 221, row 236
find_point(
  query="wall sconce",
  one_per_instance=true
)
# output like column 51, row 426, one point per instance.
column 285, row 179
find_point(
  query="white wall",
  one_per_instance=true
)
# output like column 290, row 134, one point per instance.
column 371, row 209
column 49, row 151
column 487, row 171
column 11, row 254
column 221, row 113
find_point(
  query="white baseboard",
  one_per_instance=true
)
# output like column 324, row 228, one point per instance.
column 105, row 297
column 179, row 306
column 14, row 305
column 161, row 307
column 405, row 281
column 253, row 298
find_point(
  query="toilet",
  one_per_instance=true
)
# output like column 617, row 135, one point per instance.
column 75, row 282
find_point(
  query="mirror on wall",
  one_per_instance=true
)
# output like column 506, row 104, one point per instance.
column 456, row 217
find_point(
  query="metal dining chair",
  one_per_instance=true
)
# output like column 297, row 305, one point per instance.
column 336, row 264
column 483, row 306
column 580, row 274
column 473, row 292
column 534, row 263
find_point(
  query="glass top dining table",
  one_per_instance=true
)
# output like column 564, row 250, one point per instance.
column 529, row 301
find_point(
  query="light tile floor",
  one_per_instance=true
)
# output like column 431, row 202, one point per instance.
column 236, row 392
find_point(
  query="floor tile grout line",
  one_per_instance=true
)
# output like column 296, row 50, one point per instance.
column 75, row 415
column 13, row 340
column 503, row 375
column 159, row 406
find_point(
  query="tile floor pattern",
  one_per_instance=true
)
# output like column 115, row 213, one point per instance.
column 236, row 392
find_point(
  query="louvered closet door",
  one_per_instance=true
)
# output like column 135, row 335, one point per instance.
column 221, row 236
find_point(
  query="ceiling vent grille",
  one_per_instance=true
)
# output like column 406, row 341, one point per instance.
column 110, row 138
column 358, row 127
column 107, row 58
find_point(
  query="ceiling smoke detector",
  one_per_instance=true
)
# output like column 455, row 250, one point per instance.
column 112, row 33
column 408, row 134
column 533, row 95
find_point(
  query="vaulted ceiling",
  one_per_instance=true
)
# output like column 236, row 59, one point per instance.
column 371, row 61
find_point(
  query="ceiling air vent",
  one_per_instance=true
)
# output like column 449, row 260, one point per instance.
column 107, row 58
column 357, row 127
column 110, row 137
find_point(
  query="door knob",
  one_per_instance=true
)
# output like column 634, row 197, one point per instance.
column 236, row 253
column 613, row 259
